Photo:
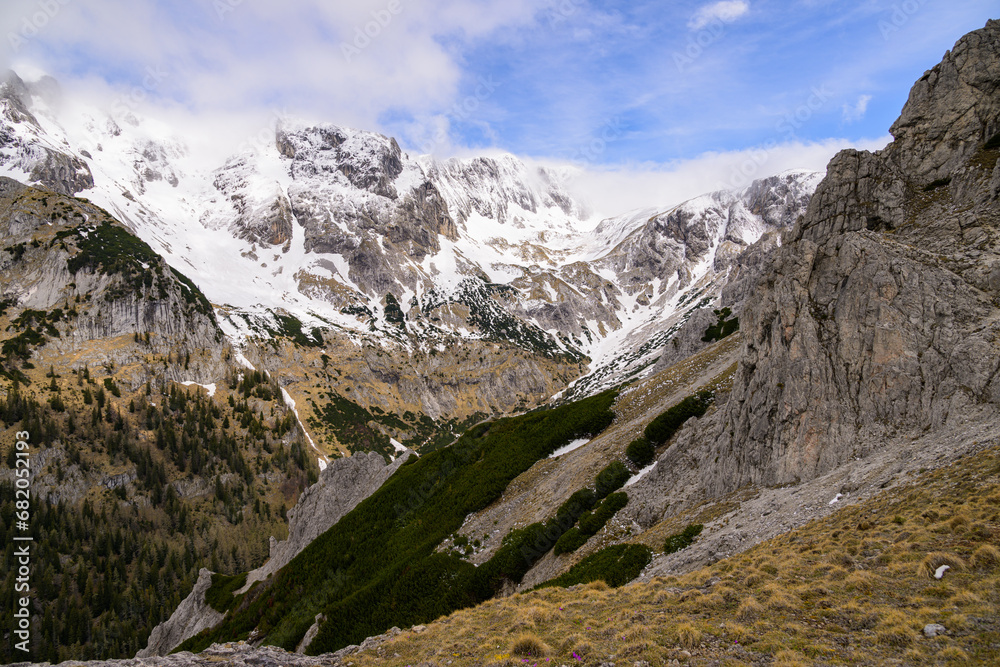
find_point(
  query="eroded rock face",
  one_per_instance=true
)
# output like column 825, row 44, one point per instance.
column 879, row 312
column 341, row 486
column 137, row 296
column 951, row 110
column 62, row 173
column 191, row 617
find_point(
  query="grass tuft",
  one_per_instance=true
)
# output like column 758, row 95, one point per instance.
column 749, row 610
column 929, row 565
column 688, row 635
column 986, row 557
column 528, row 645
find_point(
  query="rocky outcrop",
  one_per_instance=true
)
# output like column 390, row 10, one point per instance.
column 879, row 313
column 16, row 99
column 60, row 262
column 191, row 617
column 62, row 173
column 43, row 164
column 341, row 486
column 261, row 213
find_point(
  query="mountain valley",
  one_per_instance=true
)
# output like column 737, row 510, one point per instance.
column 288, row 405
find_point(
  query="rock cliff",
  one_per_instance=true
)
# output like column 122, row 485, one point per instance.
column 341, row 486
column 879, row 313
column 191, row 617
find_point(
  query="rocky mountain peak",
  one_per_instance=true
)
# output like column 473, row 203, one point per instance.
column 952, row 110
column 878, row 315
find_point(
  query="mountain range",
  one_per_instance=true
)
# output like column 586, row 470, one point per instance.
column 530, row 395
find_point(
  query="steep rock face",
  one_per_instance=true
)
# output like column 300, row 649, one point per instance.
column 66, row 253
column 263, row 213
column 191, row 617
column 880, row 310
column 66, row 174
column 16, row 99
column 341, row 486
column 42, row 163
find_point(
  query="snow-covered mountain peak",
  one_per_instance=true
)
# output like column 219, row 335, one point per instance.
column 341, row 228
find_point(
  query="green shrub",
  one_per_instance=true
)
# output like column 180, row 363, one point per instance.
column 640, row 452
column 570, row 541
column 683, row 539
column 615, row 565
column 220, row 595
column 611, row 478
column 109, row 384
column 723, row 327
column 668, row 423
column 590, row 524
column 613, row 503
column 576, row 505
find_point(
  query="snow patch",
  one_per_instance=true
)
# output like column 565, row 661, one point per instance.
column 642, row 473
column 209, row 387
column 566, row 449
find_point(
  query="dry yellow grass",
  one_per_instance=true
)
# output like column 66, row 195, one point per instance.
column 930, row 564
column 985, row 557
column 828, row 593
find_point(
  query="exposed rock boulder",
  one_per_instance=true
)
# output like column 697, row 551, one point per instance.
column 62, row 173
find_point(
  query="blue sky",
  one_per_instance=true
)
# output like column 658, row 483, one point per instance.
column 663, row 90
column 658, row 99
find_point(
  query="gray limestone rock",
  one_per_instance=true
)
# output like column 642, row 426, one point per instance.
column 879, row 310
column 934, row 629
column 191, row 617
column 341, row 486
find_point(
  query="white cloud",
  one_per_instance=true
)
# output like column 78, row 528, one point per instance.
column 615, row 191
column 726, row 11
column 856, row 112
column 346, row 61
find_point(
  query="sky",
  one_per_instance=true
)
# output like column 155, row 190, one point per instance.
column 652, row 101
